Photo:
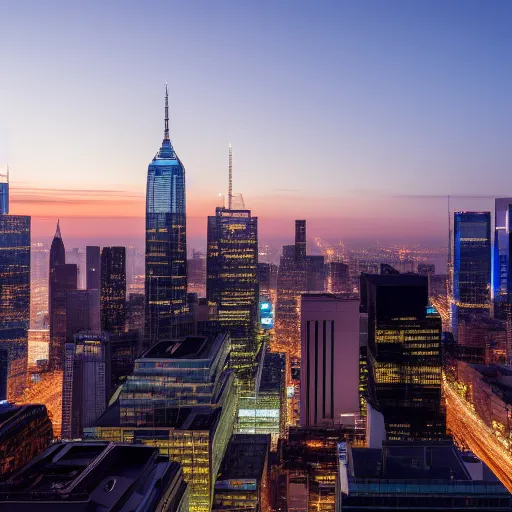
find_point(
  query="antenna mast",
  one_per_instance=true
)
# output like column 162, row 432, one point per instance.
column 230, row 179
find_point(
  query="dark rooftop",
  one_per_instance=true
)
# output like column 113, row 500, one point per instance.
column 85, row 476
column 245, row 457
column 192, row 347
column 410, row 461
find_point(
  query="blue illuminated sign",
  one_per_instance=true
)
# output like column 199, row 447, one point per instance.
column 266, row 314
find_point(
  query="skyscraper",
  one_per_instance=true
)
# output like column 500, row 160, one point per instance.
column 404, row 355
column 166, row 243
column 63, row 278
column 113, row 289
column 501, row 278
column 84, row 389
column 471, row 265
column 300, row 241
column 4, row 192
column 232, row 281
column 329, row 381
column 15, row 298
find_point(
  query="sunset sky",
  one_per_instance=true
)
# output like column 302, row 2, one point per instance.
column 358, row 116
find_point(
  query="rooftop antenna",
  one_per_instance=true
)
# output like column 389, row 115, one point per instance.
column 166, row 129
column 230, row 179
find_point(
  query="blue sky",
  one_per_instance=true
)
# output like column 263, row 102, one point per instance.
column 333, row 108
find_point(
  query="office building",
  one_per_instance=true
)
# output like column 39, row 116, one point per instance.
column 181, row 399
column 329, row 360
column 310, row 466
column 419, row 476
column 82, row 312
column 63, row 279
column 25, row 431
column 243, row 479
column 403, row 355
column 4, row 192
column 15, row 298
column 166, row 241
column 38, row 348
column 92, row 267
column 197, row 274
column 315, row 267
column 86, row 377
column 471, row 288
column 501, row 279
column 232, row 282
column 338, row 279
column 264, row 411
column 81, row 477
column 113, row 289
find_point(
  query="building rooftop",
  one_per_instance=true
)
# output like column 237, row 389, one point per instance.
column 84, row 476
column 11, row 415
column 245, row 457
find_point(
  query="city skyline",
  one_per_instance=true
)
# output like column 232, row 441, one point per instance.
column 390, row 123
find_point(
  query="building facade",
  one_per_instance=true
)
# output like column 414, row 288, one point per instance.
column 330, row 360
column 166, row 241
column 113, row 289
column 15, row 299
column 232, row 282
column 403, row 356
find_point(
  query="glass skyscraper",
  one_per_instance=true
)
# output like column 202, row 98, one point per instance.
column 501, row 282
column 232, row 282
column 403, row 356
column 14, row 300
column 166, row 244
column 471, row 265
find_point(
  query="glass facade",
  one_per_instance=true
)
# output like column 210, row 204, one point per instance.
column 501, row 285
column 404, row 356
column 232, row 282
column 166, row 244
column 15, row 299
column 471, row 265
column 113, row 289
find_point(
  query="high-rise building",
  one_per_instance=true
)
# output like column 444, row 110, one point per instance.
column 338, row 280
column 471, row 288
column 403, row 355
column 113, row 289
column 232, row 281
column 300, row 241
column 329, row 360
column 15, row 298
column 63, row 278
column 501, row 278
column 38, row 347
column 93, row 267
column 183, row 400
column 86, row 377
column 197, row 274
column 166, row 242
column 4, row 192
column 82, row 312
column 57, row 250
column 315, row 266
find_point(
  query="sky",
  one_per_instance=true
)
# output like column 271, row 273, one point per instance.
column 357, row 116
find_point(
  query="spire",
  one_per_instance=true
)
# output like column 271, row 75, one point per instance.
column 57, row 233
column 230, row 179
column 166, row 129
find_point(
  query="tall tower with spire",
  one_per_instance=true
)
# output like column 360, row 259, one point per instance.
column 166, row 242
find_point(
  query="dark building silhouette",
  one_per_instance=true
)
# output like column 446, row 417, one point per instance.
column 113, row 289
column 25, row 431
column 300, row 241
column 166, row 242
column 404, row 355
column 315, row 273
column 92, row 267
column 232, row 281
column 63, row 278
column 86, row 379
column 15, row 298
column 86, row 477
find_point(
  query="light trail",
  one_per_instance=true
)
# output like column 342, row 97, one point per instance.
column 469, row 430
